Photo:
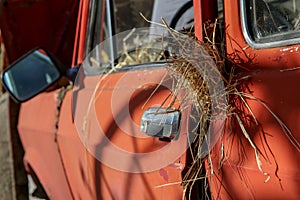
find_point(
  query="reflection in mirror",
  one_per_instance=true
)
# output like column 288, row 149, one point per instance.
column 30, row 75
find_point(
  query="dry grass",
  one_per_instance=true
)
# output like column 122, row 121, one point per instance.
column 197, row 68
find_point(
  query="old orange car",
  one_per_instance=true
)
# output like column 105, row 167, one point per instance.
column 94, row 129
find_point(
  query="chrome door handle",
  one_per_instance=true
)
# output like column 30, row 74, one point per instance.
column 161, row 122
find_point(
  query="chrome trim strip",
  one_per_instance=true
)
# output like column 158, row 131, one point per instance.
column 110, row 29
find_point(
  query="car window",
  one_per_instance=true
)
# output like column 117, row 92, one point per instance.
column 127, row 14
column 270, row 21
column 108, row 18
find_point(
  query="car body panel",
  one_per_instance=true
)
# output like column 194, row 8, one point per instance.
column 204, row 11
column 92, row 179
column 270, row 83
column 240, row 176
column 38, row 136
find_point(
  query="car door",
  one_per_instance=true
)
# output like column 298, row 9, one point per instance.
column 263, row 38
column 104, row 152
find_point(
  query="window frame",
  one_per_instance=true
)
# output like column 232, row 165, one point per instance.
column 264, row 44
column 92, row 22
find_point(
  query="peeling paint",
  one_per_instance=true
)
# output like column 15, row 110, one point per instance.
column 177, row 165
column 290, row 49
column 164, row 174
column 277, row 59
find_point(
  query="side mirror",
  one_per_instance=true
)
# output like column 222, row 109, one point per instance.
column 30, row 75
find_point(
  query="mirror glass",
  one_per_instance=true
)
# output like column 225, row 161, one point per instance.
column 30, row 75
